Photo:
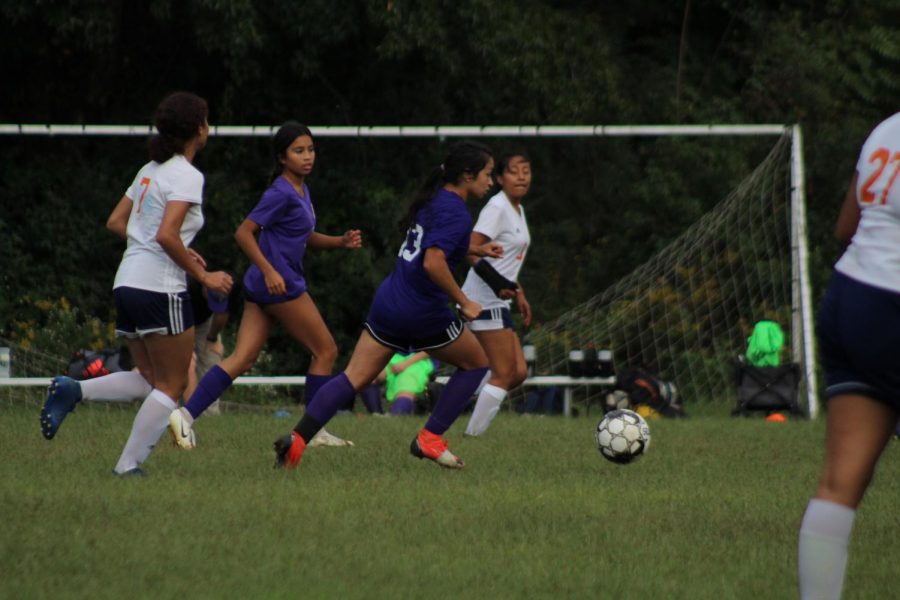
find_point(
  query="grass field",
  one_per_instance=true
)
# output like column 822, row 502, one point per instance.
column 712, row 511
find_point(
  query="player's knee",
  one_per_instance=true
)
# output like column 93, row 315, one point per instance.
column 327, row 354
column 843, row 490
column 505, row 376
column 148, row 375
column 520, row 375
column 238, row 364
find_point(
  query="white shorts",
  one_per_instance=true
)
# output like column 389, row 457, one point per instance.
column 492, row 319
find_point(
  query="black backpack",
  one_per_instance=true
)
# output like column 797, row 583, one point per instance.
column 643, row 387
column 87, row 364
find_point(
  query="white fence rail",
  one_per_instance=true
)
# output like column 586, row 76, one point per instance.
column 567, row 383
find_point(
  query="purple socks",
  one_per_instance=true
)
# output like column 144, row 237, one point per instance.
column 371, row 397
column 313, row 383
column 210, row 388
column 330, row 398
column 454, row 399
column 402, row 405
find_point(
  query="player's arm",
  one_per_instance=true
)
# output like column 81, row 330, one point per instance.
column 118, row 218
column 435, row 265
column 245, row 236
column 480, row 246
column 352, row 240
column 168, row 236
column 216, row 325
column 524, row 306
column 401, row 366
column 848, row 220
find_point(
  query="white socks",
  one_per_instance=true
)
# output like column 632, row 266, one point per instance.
column 822, row 550
column 486, row 408
column 149, row 424
column 118, row 387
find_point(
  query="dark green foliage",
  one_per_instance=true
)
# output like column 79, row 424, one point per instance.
column 598, row 208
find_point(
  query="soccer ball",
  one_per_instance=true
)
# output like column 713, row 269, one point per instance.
column 622, row 436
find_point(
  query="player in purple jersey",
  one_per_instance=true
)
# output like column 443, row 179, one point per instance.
column 410, row 309
column 275, row 285
column 859, row 335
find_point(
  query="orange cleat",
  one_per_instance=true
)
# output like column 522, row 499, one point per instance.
column 434, row 447
column 289, row 450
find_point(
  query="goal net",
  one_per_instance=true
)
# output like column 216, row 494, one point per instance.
column 686, row 313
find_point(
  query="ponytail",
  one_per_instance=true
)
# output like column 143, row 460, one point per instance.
column 464, row 157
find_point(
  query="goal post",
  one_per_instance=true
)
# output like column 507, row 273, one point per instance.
column 774, row 195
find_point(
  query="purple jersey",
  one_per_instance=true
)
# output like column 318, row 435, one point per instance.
column 286, row 220
column 408, row 302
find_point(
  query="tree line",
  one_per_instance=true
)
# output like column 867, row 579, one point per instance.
column 598, row 208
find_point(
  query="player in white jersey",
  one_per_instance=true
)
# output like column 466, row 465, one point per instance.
column 859, row 337
column 493, row 283
column 159, row 215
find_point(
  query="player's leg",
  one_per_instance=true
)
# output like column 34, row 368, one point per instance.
column 508, row 370
column 467, row 355
column 64, row 392
column 302, row 320
column 252, row 335
column 368, row 359
column 858, row 430
column 169, row 356
column 206, row 356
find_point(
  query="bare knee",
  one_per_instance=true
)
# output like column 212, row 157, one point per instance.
column 238, row 364
column 174, row 389
column 848, row 491
column 148, row 375
column 506, row 377
column 326, row 355
column 520, row 375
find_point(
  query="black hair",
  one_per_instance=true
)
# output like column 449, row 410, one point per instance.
column 282, row 140
column 502, row 163
column 178, row 118
column 463, row 157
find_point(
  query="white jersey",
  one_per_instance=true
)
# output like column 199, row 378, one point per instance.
column 873, row 256
column 501, row 222
column 145, row 265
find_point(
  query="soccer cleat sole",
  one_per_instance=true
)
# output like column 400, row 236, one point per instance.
column 62, row 396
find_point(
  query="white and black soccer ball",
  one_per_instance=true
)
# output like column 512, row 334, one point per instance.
column 622, row 436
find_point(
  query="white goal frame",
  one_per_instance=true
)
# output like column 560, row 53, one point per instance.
column 803, row 343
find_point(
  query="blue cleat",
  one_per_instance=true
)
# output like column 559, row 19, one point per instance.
column 63, row 395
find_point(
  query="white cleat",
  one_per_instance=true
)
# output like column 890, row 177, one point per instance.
column 323, row 438
column 181, row 430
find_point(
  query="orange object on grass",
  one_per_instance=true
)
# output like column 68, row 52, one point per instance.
column 776, row 418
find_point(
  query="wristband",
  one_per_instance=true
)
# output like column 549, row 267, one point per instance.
column 495, row 280
column 212, row 338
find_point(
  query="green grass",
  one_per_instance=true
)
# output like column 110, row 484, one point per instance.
column 712, row 511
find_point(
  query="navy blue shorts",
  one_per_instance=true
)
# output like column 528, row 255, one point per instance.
column 492, row 319
column 141, row 312
column 859, row 340
column 405, row 343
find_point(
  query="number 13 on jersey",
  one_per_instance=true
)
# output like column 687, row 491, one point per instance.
column 413, row 244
